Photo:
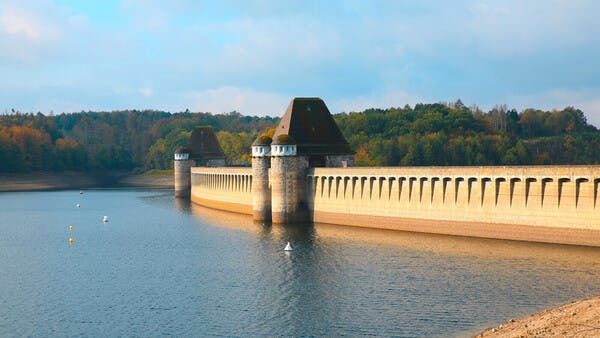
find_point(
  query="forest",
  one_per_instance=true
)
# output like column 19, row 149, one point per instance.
column 427, row 134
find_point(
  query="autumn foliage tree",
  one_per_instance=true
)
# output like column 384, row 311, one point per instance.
column 426, row 134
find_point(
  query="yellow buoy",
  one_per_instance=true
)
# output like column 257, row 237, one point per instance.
column 71, row 240
column 71, row 227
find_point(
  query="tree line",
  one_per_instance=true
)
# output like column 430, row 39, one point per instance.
column 426, row 134
column 120, row 140
column 453, row 134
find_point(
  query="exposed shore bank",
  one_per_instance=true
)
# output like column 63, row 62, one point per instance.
column 577, row 319
column 38, row 181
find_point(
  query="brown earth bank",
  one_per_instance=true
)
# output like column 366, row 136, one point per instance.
column 36, row 181
column 150, row 179
column 578, row 319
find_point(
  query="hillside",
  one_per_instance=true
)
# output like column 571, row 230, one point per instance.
column 426, row 134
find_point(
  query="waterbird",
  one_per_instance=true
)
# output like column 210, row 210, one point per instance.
column 71, row 227
column 105, row 219
column 71, row 240
column 78, row 205
column 288, row 247
column 80, row 192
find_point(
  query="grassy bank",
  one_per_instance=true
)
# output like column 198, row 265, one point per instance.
column 151, row 178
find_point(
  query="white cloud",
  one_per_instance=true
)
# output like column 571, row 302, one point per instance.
column 249, row 56
column 32, row 21
column 227, row 99
column 18, row 24
column 591, row 108
column 384, row 99
column 514, row 28
column 254, row 51
column 588, row 100
column 146, row 91
column 35, row 32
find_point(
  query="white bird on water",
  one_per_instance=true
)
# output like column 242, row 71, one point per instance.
column 78, row 205
column 288, row 247
column 105, row 219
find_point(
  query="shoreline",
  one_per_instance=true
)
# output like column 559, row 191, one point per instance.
column 576, row 319
column 46, row 181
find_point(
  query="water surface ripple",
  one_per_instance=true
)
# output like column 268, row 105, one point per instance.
column 161, row 266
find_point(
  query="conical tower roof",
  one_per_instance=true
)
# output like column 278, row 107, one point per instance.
column 310, row 124
column 204, row 144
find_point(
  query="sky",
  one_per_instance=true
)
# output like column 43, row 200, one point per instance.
column 254, row 56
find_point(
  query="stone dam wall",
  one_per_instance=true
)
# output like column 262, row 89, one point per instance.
column 223, row 188
column 556, row 204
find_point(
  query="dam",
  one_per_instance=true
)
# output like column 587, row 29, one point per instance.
column 305, row 173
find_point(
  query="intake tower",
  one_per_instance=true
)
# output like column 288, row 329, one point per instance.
column 306, row 137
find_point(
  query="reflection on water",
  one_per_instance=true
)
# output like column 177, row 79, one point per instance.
column 417, row 283
column 182, row 205
column 164, row 267
column 440, row 244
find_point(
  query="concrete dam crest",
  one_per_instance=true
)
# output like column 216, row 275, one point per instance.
column 305, row 173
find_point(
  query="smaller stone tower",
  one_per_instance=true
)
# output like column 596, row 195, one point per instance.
column 261, row 191
column 181, row 172
column 288, row 182
column 205, row 149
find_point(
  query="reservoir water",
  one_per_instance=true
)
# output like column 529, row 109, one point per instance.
column 161, row 266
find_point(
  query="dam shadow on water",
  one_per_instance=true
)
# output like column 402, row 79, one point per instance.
column 358, row 281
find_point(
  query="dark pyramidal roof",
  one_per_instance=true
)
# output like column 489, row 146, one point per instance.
column 204, row 144
column 284, row 139
column 310, row 124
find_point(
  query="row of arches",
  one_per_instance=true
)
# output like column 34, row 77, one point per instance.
column 232, row 182
column 539, row 191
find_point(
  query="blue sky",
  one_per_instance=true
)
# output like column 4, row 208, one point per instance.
column 253, row 56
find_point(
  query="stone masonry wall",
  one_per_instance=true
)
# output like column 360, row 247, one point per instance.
column 261, row 190
column 223, row 188
column 541, row 203
column 557, row 204
column 181, row 177
column 287, row 177
column 336, row 161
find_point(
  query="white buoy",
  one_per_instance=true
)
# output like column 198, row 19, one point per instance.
column 78, row 205
column 288, row 247
column 105, row 219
